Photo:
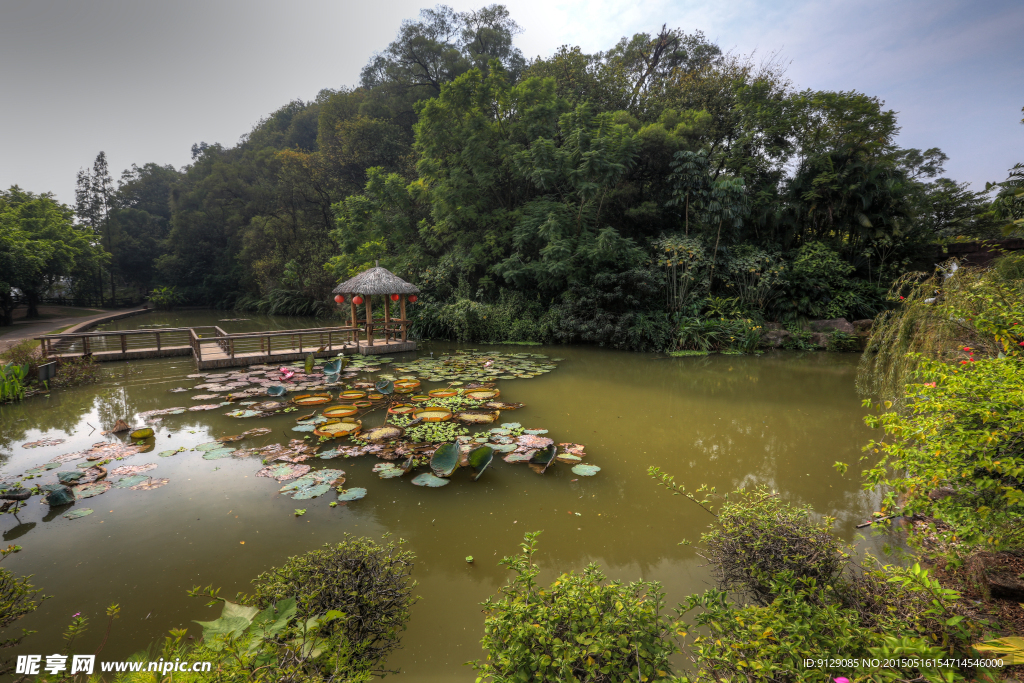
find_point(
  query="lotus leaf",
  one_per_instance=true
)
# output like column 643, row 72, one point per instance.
column 70, row 478
column 276, row 391
column 504, row 447
column 128, row 482
column 328, row 454
column 516, row 458
column 143, row 433
column 586, row 470
column 283, row 471
column 90, row 490
column 429, row 480
column 43, row 468
column 167, row 454
column 386, row 387
column 543, row 458
column 535, row 432
column 479, row 459
column 218, row 453
column 349, row 495
column 511, row 425
column 445, row 459
column 531, row 441
column 304, row 428
column 569, row 459
column 313, row 484
column 208, row 446
column 150, row 484
column 75, row 514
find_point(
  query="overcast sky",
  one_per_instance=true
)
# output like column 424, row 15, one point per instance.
column 145, row 80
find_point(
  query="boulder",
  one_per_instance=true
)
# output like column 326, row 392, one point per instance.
column 820, row 339
column 840, row 324
column 775, row 338
column 999, row 574
column 863, row 325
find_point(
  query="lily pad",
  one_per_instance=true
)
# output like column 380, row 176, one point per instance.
column 218, row 453
column 535, row 432
column 70, row 477
column 167, row 454
column 385, row 387
column 276, row 391
column 130, row 470
column 352, row 494
column 75, row 514
column 208, row 446
column 516, row 458
column 283, row 471
column 90, row 490
column 313, row 484
column 143, row 433
column 43, row 468
column 475, row 417
column 445, row 460
column 304, row 428
column 208, row 406
column 383, row 433
column 480, row 459
column 503, row 447
column 586, row 470
column 129, row 482
column 150, row 484
column 388, row 470
column 243, row 413
column 429, row 480
column 569, row 459
column 42, row 442
column 257, row 431
column 511, row 425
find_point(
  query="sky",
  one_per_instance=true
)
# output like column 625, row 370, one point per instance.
column 143, row 81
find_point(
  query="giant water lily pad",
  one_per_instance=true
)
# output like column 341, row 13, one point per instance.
column 334, row 429
column 429, row 480
column 349, row 495
column 383, row 433
column 445, row 459
column 93, row 489
column 476, row 417
column 218, row 453
column 283, row 471
column 75, row 514
column 586, row 470
column 43, row 468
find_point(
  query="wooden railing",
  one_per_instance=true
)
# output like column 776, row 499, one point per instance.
column 317, row 339
column 87, row 343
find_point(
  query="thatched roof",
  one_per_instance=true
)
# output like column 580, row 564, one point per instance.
column 376, row 281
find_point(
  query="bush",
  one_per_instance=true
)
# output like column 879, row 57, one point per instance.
column 72, row 372
column 18, row 597
column 578, row 629
column 165, row 298
column 718, row 334
column 367, row 582
column 811, row 601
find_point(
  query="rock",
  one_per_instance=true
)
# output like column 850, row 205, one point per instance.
column 773, row 326
column 941, row 492
column 863, row 325
column 775, row 338
column 998, row 575
column 820, row 339
column 840, row 324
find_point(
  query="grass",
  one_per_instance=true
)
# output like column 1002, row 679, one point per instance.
column 522, row 343
column 686, row 353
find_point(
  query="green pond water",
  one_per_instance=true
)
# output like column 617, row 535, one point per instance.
column 780, row 419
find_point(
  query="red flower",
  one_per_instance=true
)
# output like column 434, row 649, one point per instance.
column 902, row 298
column 967, row 348
column 930, row 385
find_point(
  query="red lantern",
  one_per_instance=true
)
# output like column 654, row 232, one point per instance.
column 357, row 300
column 396, row 297
column 412, row 298
column 339, row 299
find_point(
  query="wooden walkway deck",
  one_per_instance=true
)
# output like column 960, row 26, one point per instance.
column 212, row 347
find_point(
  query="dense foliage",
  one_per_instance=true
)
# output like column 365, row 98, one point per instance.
column 596, row 198
column 578, row 629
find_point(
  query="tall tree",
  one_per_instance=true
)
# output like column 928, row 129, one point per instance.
column 94, row 203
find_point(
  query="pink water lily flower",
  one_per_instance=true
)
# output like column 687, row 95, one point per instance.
column 841, row 679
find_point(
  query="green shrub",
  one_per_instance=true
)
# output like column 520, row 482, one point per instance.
column 718, row 334
column 369, row 583
column 578, row 629
column 18, row 598
column 842, row 341
column 165, row 298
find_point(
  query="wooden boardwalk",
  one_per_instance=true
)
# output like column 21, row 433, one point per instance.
column 212, row 347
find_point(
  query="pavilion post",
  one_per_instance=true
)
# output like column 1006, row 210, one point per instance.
column 387, row 317
column 404, row 326
column 355, row 334
column 369, row 321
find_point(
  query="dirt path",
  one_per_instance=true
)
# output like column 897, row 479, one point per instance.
column 20, row 331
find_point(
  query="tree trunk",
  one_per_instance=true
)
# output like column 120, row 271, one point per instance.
column 33, row 304
column 6, row 310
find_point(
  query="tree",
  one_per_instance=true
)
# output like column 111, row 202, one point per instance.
column 94, row 204
column 58, row 249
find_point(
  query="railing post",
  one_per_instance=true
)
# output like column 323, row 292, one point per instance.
column 158, row 340
column 124, row 343
column 300, row 342
column 231, row 344
column 85, row 346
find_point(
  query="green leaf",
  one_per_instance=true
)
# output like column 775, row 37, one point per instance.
column 480, row 459
column 445, row 460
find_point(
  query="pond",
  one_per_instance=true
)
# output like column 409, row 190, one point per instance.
column 779, row 419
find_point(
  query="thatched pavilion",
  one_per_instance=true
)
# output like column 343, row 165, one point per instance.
column 379, row 281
